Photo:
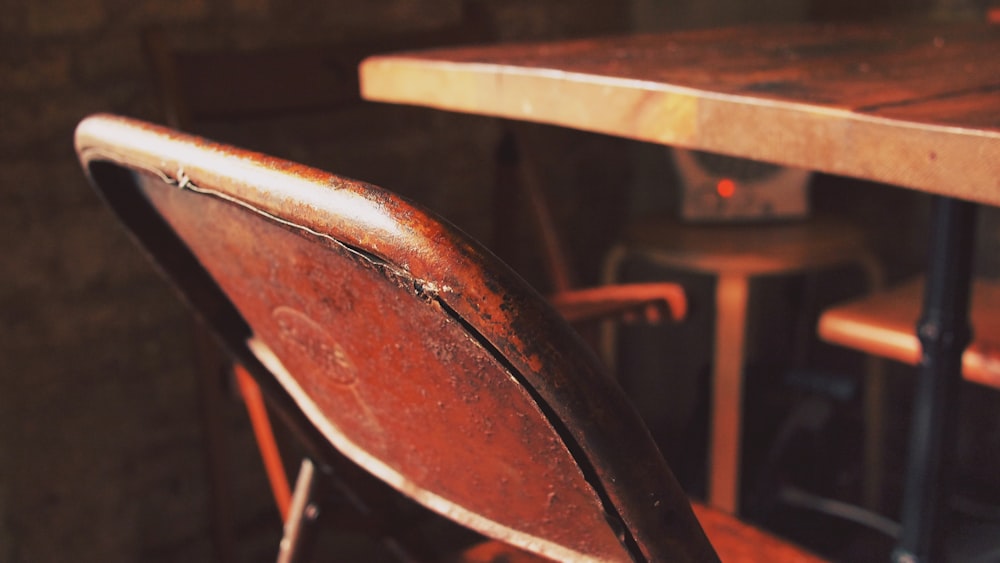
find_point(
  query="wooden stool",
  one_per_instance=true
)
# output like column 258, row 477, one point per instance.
column 735, row 254
column 883, row 325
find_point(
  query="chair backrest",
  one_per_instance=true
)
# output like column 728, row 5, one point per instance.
column 401, row 342
column 201, row 87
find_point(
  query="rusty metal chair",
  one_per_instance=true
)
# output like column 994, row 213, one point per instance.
column 381, row 332
column 211, row 90
column 205, row 89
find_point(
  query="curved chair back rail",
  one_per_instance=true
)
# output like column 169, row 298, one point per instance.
column 405, row 344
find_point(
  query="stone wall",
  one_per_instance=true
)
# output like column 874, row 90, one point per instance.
column 100, row 446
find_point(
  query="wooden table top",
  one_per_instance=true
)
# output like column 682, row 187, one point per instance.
column 916, row 106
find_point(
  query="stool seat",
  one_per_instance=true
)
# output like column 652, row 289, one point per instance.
column 749, row 248
column 884, row 324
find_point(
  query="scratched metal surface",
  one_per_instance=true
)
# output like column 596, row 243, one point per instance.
column 409, row 347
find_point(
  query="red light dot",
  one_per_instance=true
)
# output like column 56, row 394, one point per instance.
column 726, row 188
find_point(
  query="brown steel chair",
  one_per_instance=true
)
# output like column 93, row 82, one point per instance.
column 205, row 89
column 385, row 333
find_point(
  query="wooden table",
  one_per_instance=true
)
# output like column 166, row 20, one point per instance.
column 917, row 107
column 913, row 106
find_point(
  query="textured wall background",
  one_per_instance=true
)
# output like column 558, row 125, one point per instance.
column 100, row 446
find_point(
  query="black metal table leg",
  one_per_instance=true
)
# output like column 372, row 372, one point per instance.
column 944, row 333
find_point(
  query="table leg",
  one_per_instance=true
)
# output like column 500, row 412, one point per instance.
column 944, row 333
column 727, row 391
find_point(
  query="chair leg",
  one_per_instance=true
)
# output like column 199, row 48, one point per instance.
column 261, row 423
column 303, row 514
column 874, row 403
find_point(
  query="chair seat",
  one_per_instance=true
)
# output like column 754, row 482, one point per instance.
column 733, row 540
column 883, row 324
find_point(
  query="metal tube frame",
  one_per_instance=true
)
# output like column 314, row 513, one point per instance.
column 303, row 514
column 944, row 332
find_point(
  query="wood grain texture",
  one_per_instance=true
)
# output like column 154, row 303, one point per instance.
column 882, row 324
column 914, row 106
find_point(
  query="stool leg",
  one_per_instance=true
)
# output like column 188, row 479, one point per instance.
column 874, row 438
column 731, row 295
column 874, row 403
